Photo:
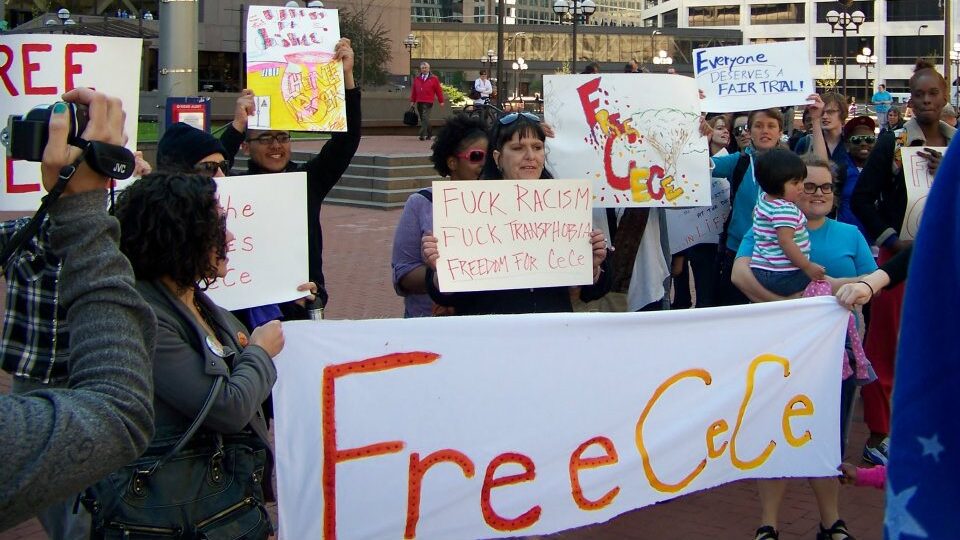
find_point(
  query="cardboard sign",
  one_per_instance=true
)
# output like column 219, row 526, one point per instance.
column 267, row 214
column 752, row 77
column 512, row 234
column 291, row 70
column 918, row 180
column 701, row 225
column 635, row 136
column 514, row 425
column 36, row 69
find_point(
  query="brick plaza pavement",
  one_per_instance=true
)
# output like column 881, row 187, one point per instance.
column 357, row 267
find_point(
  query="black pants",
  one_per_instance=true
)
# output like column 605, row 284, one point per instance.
column 704, row 264
column 424, row 110
column 729, row 294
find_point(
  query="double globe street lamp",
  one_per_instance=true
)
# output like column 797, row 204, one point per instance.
column 519, row 67
column 411, row 42
column 845, row 21
column 579, row 11
column 867, row 60
column 661, row 59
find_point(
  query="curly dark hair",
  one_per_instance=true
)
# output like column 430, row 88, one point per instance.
column 169, row 225
column 502, row 134
column 458, row 130
column 924, row 67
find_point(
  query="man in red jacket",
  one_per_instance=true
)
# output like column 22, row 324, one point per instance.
column 425, row 86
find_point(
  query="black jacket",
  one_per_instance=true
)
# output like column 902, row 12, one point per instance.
column 323, row 172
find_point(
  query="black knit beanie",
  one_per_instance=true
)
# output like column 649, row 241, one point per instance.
column 183, row 146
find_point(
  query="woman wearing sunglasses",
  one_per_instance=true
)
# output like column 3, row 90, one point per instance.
column 459, row 152
column 516, row 152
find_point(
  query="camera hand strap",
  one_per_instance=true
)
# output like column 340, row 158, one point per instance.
column 28, row 232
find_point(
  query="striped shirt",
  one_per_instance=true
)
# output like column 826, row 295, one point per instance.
column 769, row 216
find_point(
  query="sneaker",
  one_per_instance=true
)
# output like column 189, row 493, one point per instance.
column 878, row 454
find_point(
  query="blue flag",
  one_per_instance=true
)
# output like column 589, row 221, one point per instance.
column 923, row 475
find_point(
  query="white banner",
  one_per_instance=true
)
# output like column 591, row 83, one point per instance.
column 512, row 234
column 498, row 426
column 36, row 69
column 268, row 258
column 917, row 178
column 700, row 225
column 636, row 136
column 751, row 77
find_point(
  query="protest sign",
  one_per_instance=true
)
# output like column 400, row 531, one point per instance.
column 635, row 136
column 512, row 425
column 291, row 70
column 918, row 180
column 700, row 225
column 512, row 234
column 268, row 258
column 36, row 69
column 752, row 77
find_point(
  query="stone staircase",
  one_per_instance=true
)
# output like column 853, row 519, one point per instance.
column 375, row 181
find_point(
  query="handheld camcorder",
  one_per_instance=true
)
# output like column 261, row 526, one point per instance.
column 26, row 136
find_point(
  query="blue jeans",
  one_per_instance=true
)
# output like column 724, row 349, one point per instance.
column 782, row 283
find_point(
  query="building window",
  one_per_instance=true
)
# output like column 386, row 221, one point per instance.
column 650, row 22
column 914, row 10
column 714, row 16
column 670, row 19
column 778, row 13
column 908, row 49
column 761, row 41
column 866, row 6
column 831, row 48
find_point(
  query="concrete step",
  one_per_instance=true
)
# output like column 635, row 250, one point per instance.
column 387, row 184
column 379, row 198
column 391, row 171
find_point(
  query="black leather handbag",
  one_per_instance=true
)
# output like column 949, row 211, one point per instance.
column 410, row 117
column 209, row 491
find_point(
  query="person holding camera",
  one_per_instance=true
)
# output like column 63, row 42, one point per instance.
column 269, row 152
column 58, row 440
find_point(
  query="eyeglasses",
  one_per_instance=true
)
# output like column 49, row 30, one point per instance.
column 473, row 156
column 862, row 139
column 810, row 188
column 739, row 130
column 508, row 119
column 210, row 168
column 275, row 138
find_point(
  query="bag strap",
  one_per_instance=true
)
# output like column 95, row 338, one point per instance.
column 426, row 194
column 736, row 178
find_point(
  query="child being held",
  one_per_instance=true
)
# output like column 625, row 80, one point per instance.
column 781, row 254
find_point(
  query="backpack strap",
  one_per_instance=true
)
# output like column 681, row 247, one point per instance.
column 739, row 171
column 426, row 194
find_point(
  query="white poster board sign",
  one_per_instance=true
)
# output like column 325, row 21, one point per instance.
column 700, row 225
column 918, row 180
column 752, row 77
column 635, row 136
column 512, row 425
column 267, row 215
column 36, row 69
column 512, row 234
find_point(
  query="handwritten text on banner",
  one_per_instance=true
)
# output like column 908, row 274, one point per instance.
column 484, row 427
column 918, row 180
column 512, row 234
column 751, row 77
column 700, row 225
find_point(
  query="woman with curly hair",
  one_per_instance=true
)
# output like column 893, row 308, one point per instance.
column 173, row 231
column 459, row 152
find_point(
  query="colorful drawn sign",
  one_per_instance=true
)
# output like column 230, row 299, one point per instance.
column 751, row 77
column 512, row 234
column 700, row 225
column 635, row 136
column 291, row 70
column 35, row 69
column 506, row 426
column 918, row 180
column 267, row 214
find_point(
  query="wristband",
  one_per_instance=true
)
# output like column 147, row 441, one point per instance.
column 872, row 293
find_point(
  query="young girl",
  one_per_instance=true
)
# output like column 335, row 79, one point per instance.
column 781, row 254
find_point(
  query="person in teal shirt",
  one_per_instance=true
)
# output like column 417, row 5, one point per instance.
column 881, row 103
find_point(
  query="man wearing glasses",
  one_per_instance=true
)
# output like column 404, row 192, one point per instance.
column 829, row 113
column 269, row 152
column 860, row 135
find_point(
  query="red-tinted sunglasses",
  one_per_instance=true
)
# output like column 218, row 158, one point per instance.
column 473, row 156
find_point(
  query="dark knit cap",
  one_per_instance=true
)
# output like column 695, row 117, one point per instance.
column 183, row 146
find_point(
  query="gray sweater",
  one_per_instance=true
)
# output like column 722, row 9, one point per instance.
column 58, row 441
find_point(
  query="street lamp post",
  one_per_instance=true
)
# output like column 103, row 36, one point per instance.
column 519, row 67
column 579, row 11
column 955, row 60
column 411, row 42
column 64, row 15
column 661, row 59
column 867, row 59
column 845, row 21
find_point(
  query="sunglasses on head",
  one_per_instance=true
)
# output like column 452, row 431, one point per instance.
column 861, row 139
column 740, row 130
column 508, row 119
column 810, row 188
column 473, row 156
column 271, row 138
column 209, row 168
